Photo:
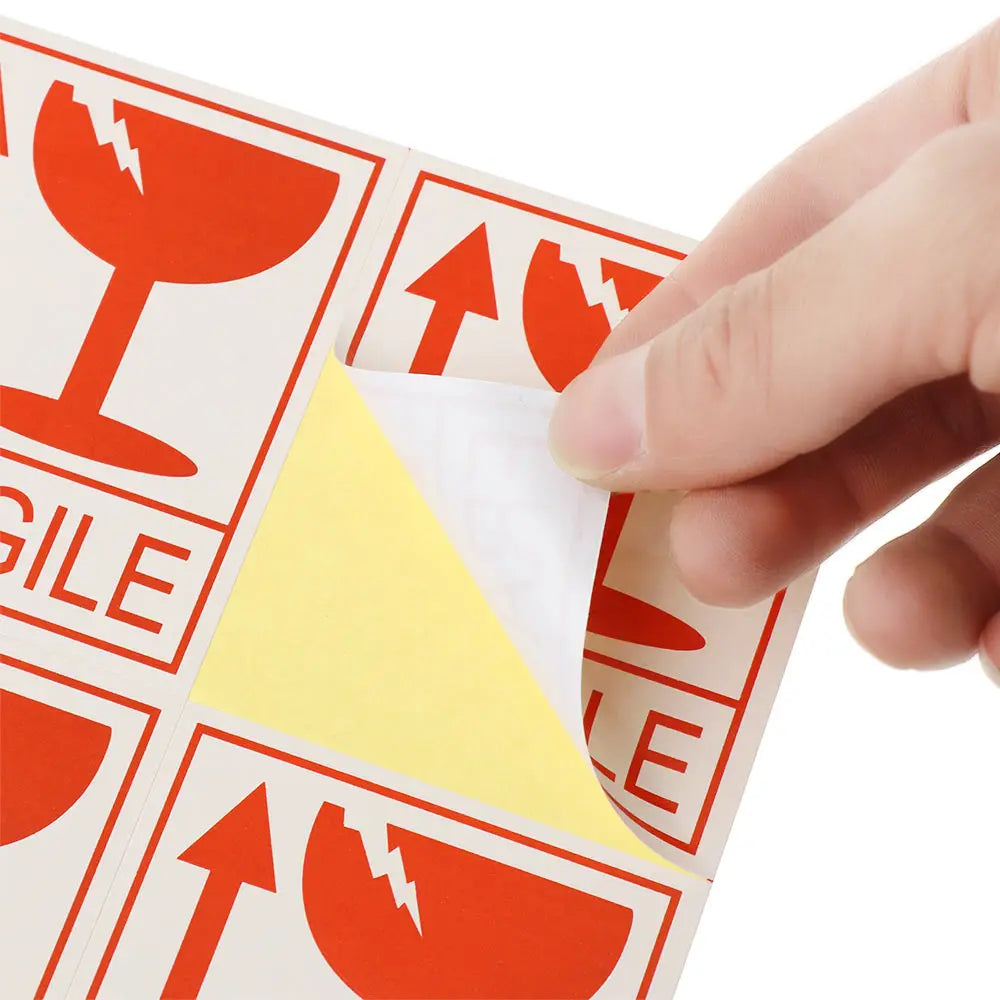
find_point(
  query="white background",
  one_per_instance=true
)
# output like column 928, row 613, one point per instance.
column 863, row 860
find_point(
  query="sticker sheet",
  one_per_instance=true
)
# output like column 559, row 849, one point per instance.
column 482, row 279
column 317, row 678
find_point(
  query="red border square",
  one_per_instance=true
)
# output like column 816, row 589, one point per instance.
column 739, row 706
column 425, row 176
column 228, row 529
column 201, row 730
column 153, row 715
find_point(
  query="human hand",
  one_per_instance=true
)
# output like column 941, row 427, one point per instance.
column 831, row 347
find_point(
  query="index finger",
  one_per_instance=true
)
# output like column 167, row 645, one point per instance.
column 823, row 178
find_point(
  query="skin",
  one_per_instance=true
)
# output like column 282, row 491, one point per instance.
column 831, row 347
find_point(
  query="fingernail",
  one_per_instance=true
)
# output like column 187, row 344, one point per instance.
column 599, row 421
column 989, row 667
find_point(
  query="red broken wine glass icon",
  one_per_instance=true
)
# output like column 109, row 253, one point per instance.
column 483, row 930
column 174, row 203
column 564, row 332
column 48, row 759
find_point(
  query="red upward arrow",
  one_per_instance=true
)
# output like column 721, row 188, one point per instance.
column 236, row 850
column 460, row 282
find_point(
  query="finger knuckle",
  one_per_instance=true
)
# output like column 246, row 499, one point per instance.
column 734, row 346
column 953, row 416
column 981, row 70
column 953, row 197
column 984, row 353
column 960, row 161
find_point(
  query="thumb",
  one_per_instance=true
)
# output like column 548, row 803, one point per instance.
column 902, row 289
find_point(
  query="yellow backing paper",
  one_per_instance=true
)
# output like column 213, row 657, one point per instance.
column 355, row 625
